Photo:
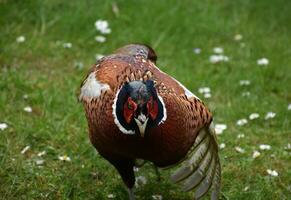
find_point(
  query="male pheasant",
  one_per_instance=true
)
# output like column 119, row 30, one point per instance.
column 136, row 111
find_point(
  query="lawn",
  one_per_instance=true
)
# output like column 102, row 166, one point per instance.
column 40, row 74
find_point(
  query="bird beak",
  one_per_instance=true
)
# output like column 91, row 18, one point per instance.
column 141, row 126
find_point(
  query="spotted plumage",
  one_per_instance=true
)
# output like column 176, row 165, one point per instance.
column 136, row 111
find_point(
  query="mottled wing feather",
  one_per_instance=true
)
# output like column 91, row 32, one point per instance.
column 201, row 171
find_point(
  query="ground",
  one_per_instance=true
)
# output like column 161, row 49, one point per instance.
column 43, row 72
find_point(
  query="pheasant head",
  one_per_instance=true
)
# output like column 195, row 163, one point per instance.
column 138, row 107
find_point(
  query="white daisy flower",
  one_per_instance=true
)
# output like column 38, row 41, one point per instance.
column 20, row 39
column 39, row 162
column 246, row 188
column 102, row 26
column 100, row 38
column 135, row 169
column 289, row 106
column 288, row 147
column 27, row 109
column 219, row 128
column 242, row 122
column 222, row 146
column 238, row 37
column 25, row 149
column 256, row 154
column 272, row 172
column 3, row 126
column 42, row 153
column 204, row 90
column 265, row 147
column 263, row 61
column 218, row 50
column 244, row 82
column 207, row 95
column 246, row 94
column 25, row 96
column 64, row 158
column 197, row 50
column 157, row 197
column 254, row 116
column 67, row 45
column 240, row 136
column 218, row 58
column 110, row 196
column 270, row 115
column 239, row 149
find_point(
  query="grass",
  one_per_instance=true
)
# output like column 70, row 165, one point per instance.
column 45, row 71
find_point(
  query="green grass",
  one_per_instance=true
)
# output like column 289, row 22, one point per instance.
column 45, row 71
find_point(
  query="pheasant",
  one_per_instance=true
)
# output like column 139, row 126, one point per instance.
column 137, row 112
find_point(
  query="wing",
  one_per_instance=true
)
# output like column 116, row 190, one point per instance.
column 201, row 171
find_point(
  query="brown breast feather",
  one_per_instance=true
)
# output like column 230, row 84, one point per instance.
column 189, row 114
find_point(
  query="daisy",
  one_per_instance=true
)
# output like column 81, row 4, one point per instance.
column 25, row 149
column 27, row 109
column 263, row 61
column 3, row 126
column 102, row 26
column 64, row 158
column 246, row 94
column 218, row 58
column 238, row 37
column 265, row 147
column 25, row 96
column 204, row 90
column 272, row 172
column 207, row 95
column 67, row 45
column 110, row 196
column 39, row 162
column 254, row 116
column 244, row 82
column 42, row 153
column 20, row 39
column 270, row 115
column 197, row 50
column 222, row 146
column 219, row 128
column 242, row 122
column 256, row 154
column 218, row 50
column 100, row 38
column 239, row 149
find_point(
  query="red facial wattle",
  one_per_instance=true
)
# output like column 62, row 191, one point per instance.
column 128, row 110
column 152, row 107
